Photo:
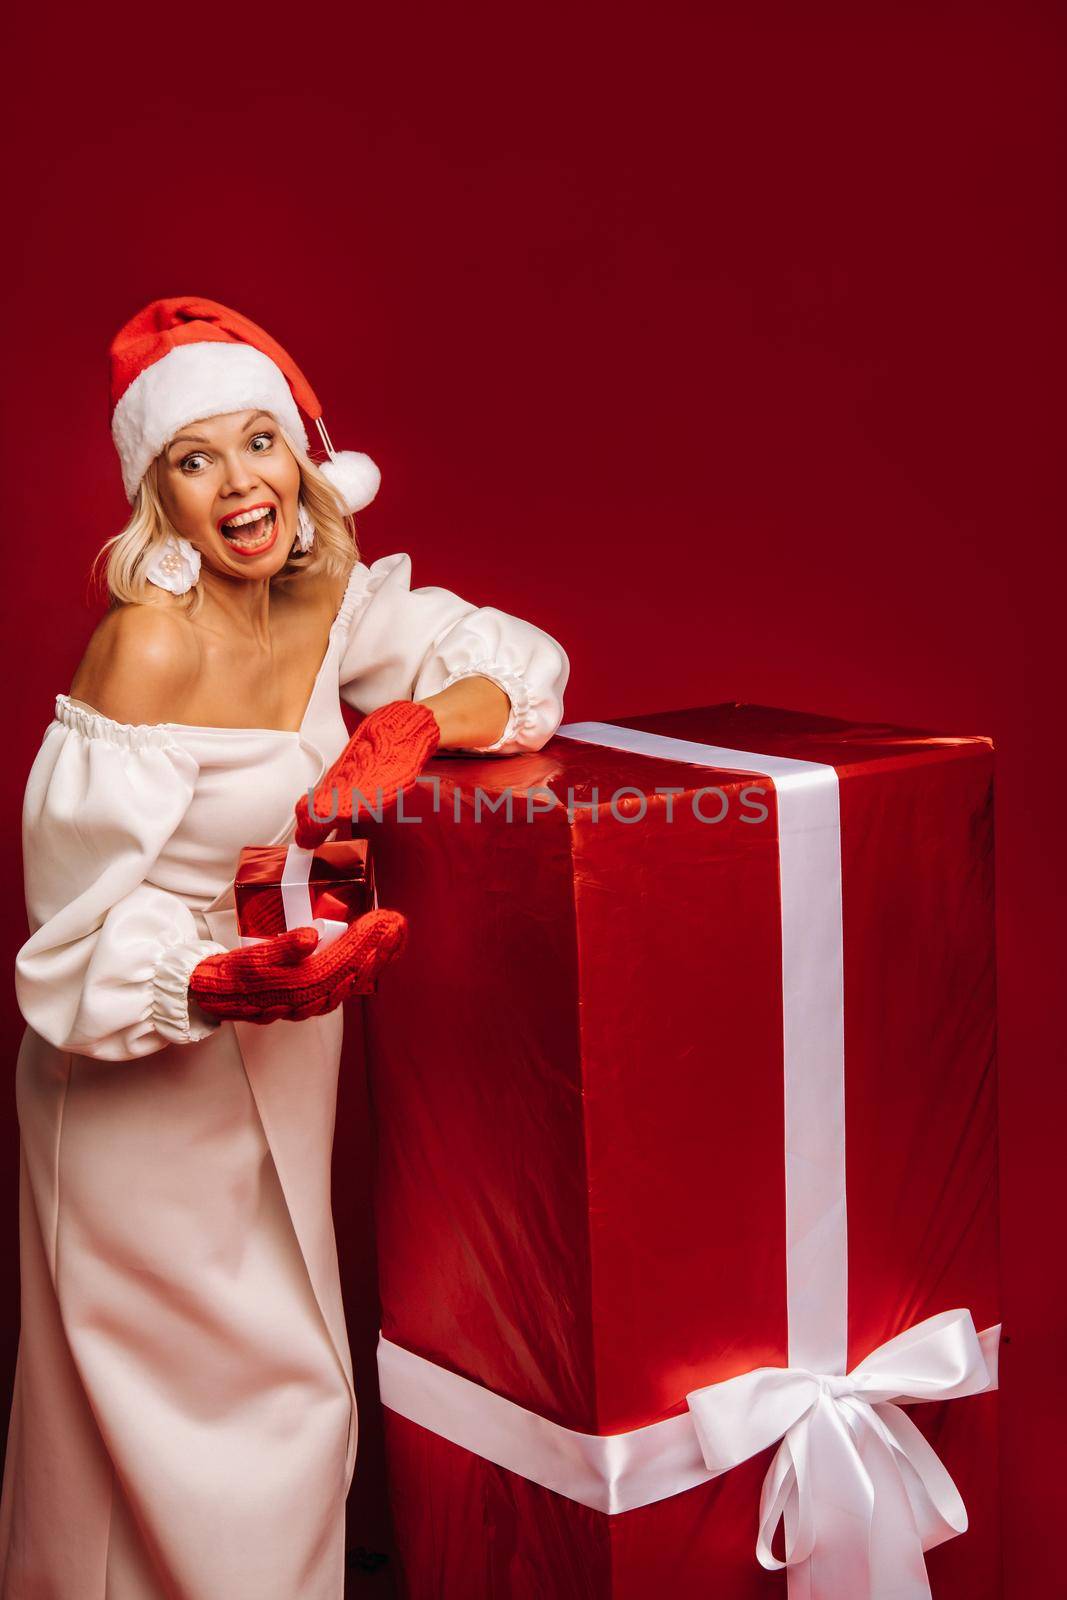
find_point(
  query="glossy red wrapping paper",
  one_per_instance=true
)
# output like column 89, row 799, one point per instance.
column 340, row 885
column 576, row 1075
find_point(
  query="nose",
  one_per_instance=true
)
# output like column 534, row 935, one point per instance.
column 239, row 477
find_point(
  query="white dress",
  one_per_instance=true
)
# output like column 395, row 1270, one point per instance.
column 184, row 1424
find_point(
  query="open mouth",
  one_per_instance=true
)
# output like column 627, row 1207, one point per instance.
column 250, row 532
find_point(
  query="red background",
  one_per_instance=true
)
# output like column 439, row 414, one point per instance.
column 727, row 348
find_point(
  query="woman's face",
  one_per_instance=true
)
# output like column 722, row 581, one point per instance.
column 230, row 485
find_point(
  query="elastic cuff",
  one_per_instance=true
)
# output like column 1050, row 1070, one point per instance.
column 514, row 686
column 179, row 1019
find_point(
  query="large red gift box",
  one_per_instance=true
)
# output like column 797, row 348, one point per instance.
column 617, row 1007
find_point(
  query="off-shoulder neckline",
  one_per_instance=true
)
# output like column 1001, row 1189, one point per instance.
column 91, row 722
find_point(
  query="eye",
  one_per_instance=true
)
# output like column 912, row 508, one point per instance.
column 260, row 443
column 194, row 463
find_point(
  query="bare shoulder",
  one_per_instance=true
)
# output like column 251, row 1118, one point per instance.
column 142, row 660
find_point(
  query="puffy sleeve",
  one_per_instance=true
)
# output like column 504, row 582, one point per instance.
column 404, row 644
column 105, row 970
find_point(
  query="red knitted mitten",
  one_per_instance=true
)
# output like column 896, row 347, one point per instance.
column 382, row 759
column 286, row 977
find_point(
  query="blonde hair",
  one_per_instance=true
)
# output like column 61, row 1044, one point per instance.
column 125, row 555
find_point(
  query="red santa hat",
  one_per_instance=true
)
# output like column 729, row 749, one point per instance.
column 181, row 360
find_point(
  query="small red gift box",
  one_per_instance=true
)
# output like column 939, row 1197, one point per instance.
column 277, row 887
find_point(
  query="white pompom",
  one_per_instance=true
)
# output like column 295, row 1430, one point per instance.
column 355, row 477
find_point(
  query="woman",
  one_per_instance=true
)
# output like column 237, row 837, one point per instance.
column 184, row 1423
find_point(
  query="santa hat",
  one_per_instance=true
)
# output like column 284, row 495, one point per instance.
column 181, row 360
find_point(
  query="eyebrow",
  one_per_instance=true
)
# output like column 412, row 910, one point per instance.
column 198, row 438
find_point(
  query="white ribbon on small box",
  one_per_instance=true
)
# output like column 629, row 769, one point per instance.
column 859, row 1490
column 296, row 900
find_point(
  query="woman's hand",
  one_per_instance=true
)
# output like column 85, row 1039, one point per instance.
column 383, row 758
column 285, row 977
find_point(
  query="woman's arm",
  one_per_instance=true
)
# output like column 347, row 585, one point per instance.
column 105, row 970
column 429, row 645
column 482, row 682
column 471, row 712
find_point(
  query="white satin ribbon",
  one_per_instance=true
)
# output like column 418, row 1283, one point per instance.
column 813, row 1026
column 726, row 1423
column 859, row 1490
column 611, row 1472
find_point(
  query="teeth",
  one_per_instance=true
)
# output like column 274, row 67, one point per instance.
column 244, row 517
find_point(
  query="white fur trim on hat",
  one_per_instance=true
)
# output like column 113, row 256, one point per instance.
column 188, row 384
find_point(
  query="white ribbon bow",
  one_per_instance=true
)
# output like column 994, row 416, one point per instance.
column 860, row 1491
